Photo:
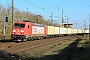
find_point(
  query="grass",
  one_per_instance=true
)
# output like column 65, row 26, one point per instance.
column 61, row 47
column 83, row 54
column 78, row 54
column 56, row 51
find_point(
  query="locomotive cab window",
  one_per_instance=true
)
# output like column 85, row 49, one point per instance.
column 19, row 25
column 28, row 26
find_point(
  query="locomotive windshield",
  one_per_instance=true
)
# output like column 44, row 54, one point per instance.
column 19, row 25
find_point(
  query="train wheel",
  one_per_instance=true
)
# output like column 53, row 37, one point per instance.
column 31, row 38
column 47, row 37
column 24, row 39
column 39, row 38
column 28, row 38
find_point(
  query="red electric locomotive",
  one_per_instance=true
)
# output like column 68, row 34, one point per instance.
column 23, row 31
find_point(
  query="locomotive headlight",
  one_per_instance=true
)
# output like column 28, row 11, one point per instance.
column 14, row 30
column 22, row 30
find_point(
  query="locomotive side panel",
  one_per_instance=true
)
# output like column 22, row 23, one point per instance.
column 38, row 30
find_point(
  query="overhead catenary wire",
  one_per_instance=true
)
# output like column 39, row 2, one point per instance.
column 37, row 6
column 47, row 4
column 54, row 5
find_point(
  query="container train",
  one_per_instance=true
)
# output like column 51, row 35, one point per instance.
column 23, row 31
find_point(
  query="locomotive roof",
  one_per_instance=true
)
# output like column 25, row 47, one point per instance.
column 37, row 24
column 23, row 22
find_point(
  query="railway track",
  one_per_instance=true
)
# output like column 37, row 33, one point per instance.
column 33, row 48
column 27, row 45
column 39, row 45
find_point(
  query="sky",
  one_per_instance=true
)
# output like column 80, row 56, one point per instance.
column 78, row 11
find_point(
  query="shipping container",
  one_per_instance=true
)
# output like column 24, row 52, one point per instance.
column 79, row 31
column 56, row 30
column 63, row 31
column 50, row 30
column 75, row 31
column 86, row 31
column 72, row 31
